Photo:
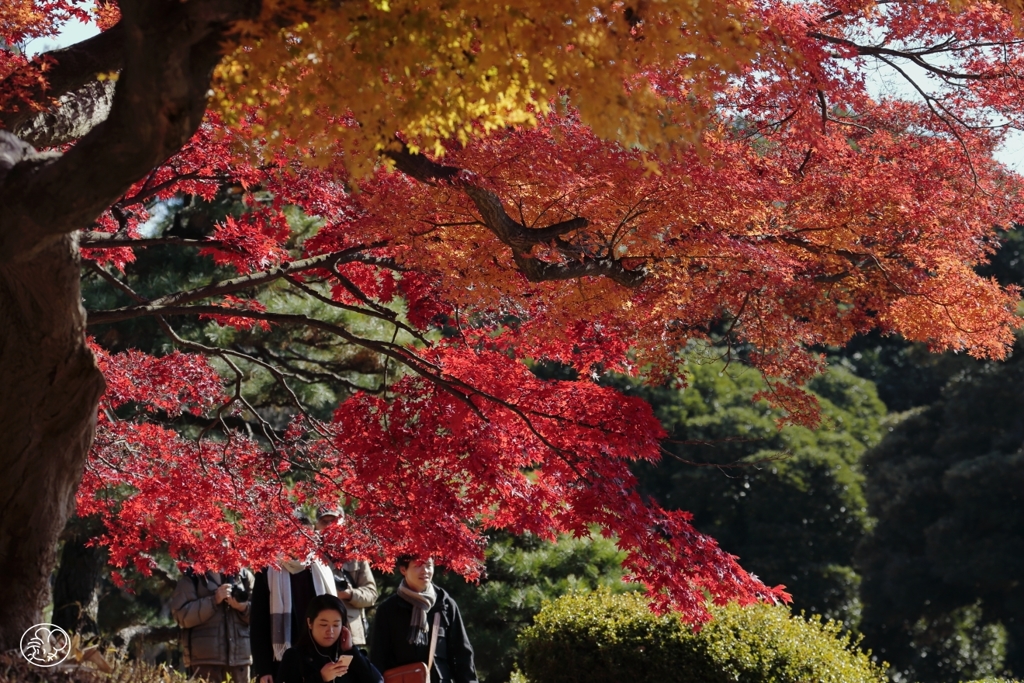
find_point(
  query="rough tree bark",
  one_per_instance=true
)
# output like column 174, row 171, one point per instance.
column 76, row 588
column 47, row 417
column 49, row 383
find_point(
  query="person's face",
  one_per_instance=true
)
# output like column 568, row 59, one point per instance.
column 326, row 522
column 326, row 628
column 418, row 574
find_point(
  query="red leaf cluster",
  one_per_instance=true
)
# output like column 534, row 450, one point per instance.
column 808, row 212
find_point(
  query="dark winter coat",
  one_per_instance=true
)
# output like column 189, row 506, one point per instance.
column 212, row 634
column 303, row 591
column 302, row 664
column 390, row 647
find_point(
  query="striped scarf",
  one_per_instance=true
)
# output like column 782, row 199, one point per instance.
column 280, row 584
column 421, row 604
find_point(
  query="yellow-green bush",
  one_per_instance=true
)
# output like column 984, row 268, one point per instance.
column 605, row 638
column 14, row 669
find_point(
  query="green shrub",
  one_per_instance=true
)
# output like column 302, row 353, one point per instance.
column 523, row 572
column 605, row 638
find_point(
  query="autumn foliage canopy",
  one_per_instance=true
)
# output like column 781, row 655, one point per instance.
column 602, row 186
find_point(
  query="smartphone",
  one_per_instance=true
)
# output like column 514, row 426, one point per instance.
column 345, row 659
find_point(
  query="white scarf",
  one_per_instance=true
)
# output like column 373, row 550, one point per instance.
column 280, row 584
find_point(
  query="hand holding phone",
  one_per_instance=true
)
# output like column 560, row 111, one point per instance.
column 332, row 670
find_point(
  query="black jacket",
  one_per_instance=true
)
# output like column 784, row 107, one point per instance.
column 263, row 663
column 302, row 665
column 390, row 647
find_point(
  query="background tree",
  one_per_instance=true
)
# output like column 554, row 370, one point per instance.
column 945, row 486
column 751, row 184
column 948, row 636
column 790, row 503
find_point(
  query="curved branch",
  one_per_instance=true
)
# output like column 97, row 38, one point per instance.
column 67, row 71
column 167, row 53
column 928, row 99
column 371, row 312
column 520, row 238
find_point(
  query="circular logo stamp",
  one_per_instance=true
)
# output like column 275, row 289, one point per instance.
column 45, row 645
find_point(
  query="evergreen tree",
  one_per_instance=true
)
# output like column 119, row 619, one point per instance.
column 942, row 566
column 790, row 503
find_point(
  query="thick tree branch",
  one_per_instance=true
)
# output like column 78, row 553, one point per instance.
column 69, row 71
column 110, row 240
column 520, row 238
column 72, row 117
column 421, row 168
column 169, row 51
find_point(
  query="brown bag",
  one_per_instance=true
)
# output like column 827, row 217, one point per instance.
column 417, row 672
column 408, row 673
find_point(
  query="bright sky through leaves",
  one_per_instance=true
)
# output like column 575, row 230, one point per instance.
column 881, row 82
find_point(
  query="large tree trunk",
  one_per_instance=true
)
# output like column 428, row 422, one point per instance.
column 165, row 51
column 76, row 588
column 49, row 391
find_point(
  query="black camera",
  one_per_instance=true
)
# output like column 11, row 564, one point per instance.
column 341, row 582
column 240, row 591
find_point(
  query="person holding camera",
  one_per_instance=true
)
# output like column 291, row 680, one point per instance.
column 212, row 610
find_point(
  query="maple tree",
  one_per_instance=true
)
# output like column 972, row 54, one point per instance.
column 595, row 185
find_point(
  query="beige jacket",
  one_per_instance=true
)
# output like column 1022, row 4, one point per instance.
column 364, row 595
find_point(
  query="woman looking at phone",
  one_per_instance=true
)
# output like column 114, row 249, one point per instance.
column 325, row 653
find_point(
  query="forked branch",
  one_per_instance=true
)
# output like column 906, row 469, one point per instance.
column 518, row 237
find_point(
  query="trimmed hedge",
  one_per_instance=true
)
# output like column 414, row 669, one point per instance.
column 605, row 638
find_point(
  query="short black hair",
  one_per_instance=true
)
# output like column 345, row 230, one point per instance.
column 326, row 602
column 404, row 560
